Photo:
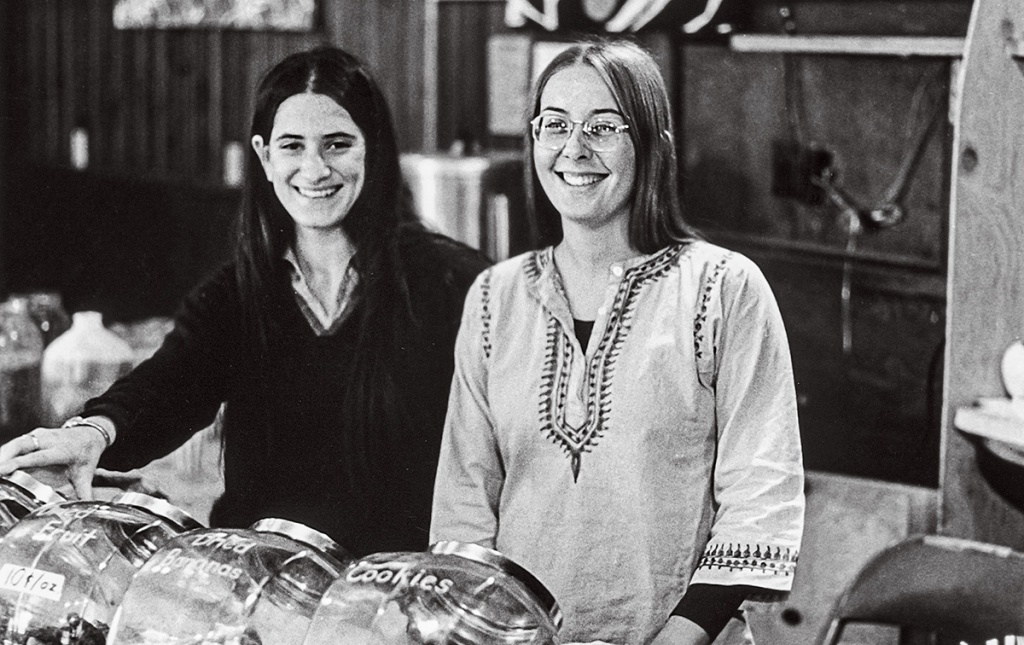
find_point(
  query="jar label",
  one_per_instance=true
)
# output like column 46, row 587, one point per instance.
column 36, row 582
column 397, row 574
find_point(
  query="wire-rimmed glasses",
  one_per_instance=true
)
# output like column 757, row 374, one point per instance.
column 601, row 134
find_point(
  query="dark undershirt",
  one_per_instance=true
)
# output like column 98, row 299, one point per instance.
column 709, row 606
column 583, row 329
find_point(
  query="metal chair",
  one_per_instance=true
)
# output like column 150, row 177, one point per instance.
column 960, row 589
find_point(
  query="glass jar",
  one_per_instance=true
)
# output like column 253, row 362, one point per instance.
column 20, row 494
column 231, row 586
column 65, row 566
column 21, row 351
column 458, row 593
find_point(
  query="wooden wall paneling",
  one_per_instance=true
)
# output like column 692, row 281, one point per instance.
column 388, row 36
column 100, row 69
column 257, row 59
column 238, row 91
column 139, row 88
column 866, row 17
column 71, row 47
column 396, row 34
column 464, row 28
column 858, row 108
column 159, row 81
column 410, row 94
column 214, row 99
column 51, row 106
column 986, row 265
column 184, row 59
column 116, row 99
column 31, row 106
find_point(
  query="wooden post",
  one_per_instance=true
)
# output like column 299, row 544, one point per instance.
column 985, row 294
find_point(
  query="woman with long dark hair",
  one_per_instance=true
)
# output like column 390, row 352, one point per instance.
column 328, row 339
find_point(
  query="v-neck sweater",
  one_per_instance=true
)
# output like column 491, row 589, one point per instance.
column 283, row 452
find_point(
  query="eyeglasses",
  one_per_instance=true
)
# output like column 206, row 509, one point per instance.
column 552, row 132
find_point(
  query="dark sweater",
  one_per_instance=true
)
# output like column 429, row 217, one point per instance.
column 283, row 426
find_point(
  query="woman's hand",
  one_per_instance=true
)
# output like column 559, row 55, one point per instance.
column 69, row 454
column 680, row 631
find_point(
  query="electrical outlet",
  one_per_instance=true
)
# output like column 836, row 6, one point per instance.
column 797, row 170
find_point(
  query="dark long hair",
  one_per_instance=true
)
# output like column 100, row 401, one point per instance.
column 265, row 230
column 632, row 75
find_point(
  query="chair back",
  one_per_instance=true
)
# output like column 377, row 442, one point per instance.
column 963, row 589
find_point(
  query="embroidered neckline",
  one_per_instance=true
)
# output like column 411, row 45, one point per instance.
column 600, row 369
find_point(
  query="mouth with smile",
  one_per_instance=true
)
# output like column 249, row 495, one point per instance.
column 579, row 179
column 317, row 193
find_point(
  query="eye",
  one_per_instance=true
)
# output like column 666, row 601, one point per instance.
column 603, row 128
column 340, row 145
column 554, row 124
column 290, row 146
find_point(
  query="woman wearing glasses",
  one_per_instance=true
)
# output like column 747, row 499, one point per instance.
column 622, row 419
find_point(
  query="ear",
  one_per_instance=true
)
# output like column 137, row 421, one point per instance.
column 263, row 152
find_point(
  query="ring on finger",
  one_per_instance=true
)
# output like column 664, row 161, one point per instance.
column 35, row 442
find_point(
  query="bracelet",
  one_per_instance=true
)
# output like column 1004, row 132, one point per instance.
column 81, row 421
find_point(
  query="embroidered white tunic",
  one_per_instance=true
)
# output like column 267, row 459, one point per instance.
column 666, row 455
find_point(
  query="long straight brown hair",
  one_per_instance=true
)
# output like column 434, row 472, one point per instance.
column 632, row 75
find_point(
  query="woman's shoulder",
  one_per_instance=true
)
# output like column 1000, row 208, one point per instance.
column 706, row 256
column 426, row 254
column 515, row 273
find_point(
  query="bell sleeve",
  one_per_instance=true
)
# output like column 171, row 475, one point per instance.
column 758, row 484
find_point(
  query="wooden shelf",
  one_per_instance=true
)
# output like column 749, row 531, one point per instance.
column 902, row 46
column 992, row 419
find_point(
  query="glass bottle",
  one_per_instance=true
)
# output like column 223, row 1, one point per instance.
column 80, row 364
column 47, row 309
column 21, row 351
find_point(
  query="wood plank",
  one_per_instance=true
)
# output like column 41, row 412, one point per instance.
column 118, row 101
column 31, row 23
column 140, row 134
column 986, row 267
column 159, row 82
column 99, row 70
column 214, row 87
column 71, row 52
column 900, row 46
column 52, row 104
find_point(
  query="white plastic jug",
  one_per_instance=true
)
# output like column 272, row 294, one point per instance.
column 79, row 364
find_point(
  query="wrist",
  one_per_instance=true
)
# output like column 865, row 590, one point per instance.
column 102, row 425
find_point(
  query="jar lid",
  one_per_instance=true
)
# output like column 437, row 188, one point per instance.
column 160, row 507
column 33, row 487
column 493, row 558
column 304, row 534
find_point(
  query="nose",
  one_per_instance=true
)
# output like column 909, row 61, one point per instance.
column 575, row 146
column 313, row 164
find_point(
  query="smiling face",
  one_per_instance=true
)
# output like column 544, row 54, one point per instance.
column 316, row 159
column 591, row 188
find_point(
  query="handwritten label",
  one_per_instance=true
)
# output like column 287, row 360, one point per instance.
column 21, row 579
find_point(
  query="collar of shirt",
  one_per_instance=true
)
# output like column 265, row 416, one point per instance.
column 545, row 281
column 324, row 320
